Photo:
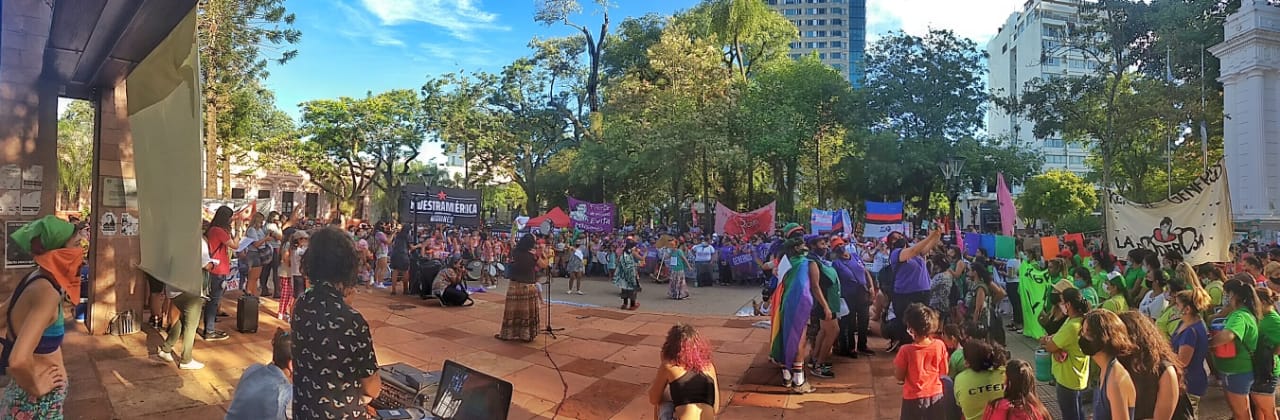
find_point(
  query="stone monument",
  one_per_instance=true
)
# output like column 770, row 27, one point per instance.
column 1250, row 75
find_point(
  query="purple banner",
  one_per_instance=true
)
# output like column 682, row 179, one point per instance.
column 744, row 264
column 591, row 217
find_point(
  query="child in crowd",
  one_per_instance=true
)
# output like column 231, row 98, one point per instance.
column 291, row 284
column 366, row 264
column 1020, row 401
column 921, row 365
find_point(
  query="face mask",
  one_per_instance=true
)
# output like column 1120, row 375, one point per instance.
column 64, row 265
column 1079, row 284
column 1089, row 347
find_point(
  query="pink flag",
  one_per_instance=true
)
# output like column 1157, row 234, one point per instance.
column 1008, row 214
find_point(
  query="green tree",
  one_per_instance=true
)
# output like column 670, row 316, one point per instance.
column 351, row 144
column 237, row 40
column 926, row 91
column 792, row 106
column 75, row 156
column 628, row 49
column 1053, row 195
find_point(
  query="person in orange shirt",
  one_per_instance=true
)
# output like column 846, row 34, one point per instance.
column 921, row 365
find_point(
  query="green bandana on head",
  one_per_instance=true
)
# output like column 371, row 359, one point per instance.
column 52, row 231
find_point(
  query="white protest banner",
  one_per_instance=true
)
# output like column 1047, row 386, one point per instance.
column 878, row 231
column 1195, row 222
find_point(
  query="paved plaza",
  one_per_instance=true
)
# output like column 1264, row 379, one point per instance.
column 607, row 358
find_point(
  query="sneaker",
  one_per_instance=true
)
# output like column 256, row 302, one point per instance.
column 634, row 306
column 803, row 388
column 214, row 336
column 580, row 293
column 166, row 356
column 821, row 372
column 192, row 365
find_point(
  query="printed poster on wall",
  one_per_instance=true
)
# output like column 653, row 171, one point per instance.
column 591, row 217
column 113, row 191
column 450, row 206
column 33, row 177
column 1195, row 222
column 10, row 177
column 15, row 257
column 30, row 203
column 11, row 203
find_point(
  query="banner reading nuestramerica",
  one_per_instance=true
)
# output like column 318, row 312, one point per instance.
column 1195, row 222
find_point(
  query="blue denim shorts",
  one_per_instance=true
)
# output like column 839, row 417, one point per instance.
column 1237, row 383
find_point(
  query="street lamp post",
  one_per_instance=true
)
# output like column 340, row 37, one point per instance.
column 951, row 169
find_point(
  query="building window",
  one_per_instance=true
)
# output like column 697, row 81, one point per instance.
column 1075, row 64
column 795, row 56
column 838, row 66
column 822, row 56
column 790, row 12
column 773, row 2
column 1055, row 143
column 810, row 45
column 837, row 21
column 792, row 1
column 822, row 44
column 1053, row 31
column 794, row 45
column 1052, row 61
column 836, row 55
column 237, row 193
column 286, row 202
column 313, row 205
column 820, row 22
column 1076, row 160
column 822, row 33
column 837, row 33
column 1055, row 159
column 837, row 44
column 818, row 11
column 837, row 11
column 264, row 194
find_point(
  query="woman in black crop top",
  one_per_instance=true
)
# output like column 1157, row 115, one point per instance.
column 687, row 371
column 520, row 317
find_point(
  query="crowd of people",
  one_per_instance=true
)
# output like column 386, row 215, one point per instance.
column 1140, row 337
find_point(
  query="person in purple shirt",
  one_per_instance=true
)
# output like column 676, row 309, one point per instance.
column 911, row 278
column 725, row 252
column 856, row 292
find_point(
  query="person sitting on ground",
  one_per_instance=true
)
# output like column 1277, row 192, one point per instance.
column 1020, row 401
column 983, row 379
column 689, row 375
column 264, row 391
column 450, row 277
column 335, row 368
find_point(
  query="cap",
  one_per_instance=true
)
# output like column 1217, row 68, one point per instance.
column 791, row 229
column 1062, row 285
column 837, row 241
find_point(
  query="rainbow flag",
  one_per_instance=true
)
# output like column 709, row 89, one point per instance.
column 884, row 213
column 791, row 305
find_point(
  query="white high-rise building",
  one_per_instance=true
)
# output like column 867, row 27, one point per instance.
column 1029, row 46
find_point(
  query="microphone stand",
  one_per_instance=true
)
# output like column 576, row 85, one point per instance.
column 549, row 330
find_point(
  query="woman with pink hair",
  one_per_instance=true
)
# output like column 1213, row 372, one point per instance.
column 688, row 374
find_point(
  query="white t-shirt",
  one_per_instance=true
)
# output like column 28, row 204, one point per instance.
column 271, row 230
column 1152, row 306
column 295, row 264
column 703, row 253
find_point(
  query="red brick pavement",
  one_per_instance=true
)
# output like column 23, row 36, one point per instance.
column 606, row 356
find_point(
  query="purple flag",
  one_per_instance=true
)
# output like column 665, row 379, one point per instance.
column 591, row 217
column 972, row 242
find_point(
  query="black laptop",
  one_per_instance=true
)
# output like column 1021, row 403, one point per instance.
column 465, row 393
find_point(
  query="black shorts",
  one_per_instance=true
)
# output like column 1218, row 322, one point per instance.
column 815, row 321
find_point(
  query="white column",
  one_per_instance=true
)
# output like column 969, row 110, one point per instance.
column 1250, row 58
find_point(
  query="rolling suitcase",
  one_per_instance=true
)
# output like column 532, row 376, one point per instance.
column 247, row 314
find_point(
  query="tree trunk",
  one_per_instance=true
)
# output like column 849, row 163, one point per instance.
column 210, row 148
column 226, row 176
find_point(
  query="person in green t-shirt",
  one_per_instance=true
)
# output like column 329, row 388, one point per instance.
column 1263, row 392
column 1239, row 330
column 1070, row 365
column 952, row 337
column 983, row 380
column 1084, row 282
column 1117, row 302
column 1134, row 274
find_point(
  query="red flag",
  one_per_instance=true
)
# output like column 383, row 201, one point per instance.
column 729, row 222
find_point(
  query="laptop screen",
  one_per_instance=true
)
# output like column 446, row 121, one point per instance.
column 465, row 393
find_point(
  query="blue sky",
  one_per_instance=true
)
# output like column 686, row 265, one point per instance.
column 350, row 47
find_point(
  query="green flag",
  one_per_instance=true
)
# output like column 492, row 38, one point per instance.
column 1005, row 248
column 1033, row 286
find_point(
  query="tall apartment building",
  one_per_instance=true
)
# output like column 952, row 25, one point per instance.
column 1028, row 47
column 834, row 29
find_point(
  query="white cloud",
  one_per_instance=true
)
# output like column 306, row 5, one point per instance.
column 461, row 18
column 359, row 26
column 974, row 19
